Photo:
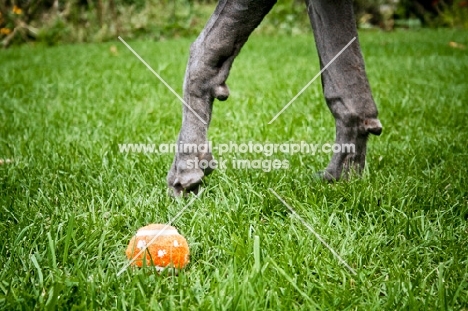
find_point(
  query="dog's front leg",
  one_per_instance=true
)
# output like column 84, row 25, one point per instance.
column 211, row 58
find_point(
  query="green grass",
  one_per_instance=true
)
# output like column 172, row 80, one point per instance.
column 70, row 201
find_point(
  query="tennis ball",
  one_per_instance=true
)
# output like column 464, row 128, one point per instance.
column 160, row 246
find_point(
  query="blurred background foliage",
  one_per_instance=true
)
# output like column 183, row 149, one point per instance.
column 64, row 21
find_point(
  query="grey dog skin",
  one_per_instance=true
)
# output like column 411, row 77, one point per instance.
column 345, row 84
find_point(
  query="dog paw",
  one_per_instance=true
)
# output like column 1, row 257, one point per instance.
column 187, row 173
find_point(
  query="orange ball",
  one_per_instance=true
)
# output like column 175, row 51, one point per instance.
column 160, row 246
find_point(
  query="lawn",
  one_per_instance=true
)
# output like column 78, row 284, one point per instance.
column 70, row 201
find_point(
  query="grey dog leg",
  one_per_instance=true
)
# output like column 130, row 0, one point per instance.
column 211, row 57
column 345, row 85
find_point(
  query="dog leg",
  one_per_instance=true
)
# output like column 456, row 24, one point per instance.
column 345, row 85
column 211, row 58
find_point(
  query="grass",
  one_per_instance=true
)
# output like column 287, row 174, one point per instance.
column 70, row 201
